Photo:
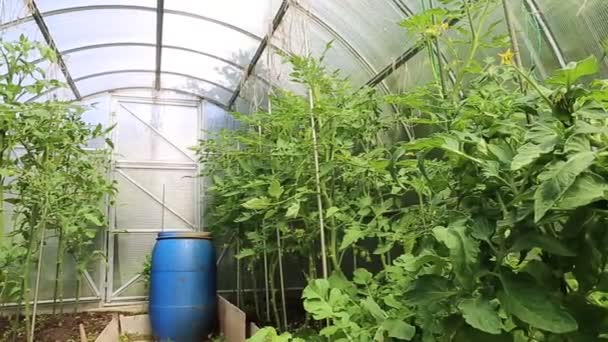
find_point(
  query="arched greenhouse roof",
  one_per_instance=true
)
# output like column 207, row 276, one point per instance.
column 224, row 50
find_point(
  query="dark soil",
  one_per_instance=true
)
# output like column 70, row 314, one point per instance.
column 58, row 327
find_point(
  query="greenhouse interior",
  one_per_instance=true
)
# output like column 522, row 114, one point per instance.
column 304, row 170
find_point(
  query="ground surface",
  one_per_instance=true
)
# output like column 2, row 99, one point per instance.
column 59, row 327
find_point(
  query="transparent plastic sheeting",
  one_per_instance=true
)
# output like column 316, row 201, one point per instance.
column 216, row 40
column 212, row 41
column 580, row 27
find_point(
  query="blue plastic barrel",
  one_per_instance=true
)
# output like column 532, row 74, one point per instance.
column 183, row 302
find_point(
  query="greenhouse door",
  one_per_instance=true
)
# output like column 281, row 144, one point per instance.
column 152, row 141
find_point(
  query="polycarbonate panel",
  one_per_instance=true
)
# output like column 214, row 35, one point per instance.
column 82, row 28
column 580, row 27
column 63, row 94
column 278, row 71
column 201, row 66
column 93, row 61
column 109, row 82
column 52, row 5
column 130, row 252
column 173, row 123
column 242, row 106
column 533, row 48
column 152, row 133
column 195, row 86
column 300, row 35
column 376, row 35
column 179, row 196
column 197, row 34
column 48, row 276
column 416, row 72
column 256, row 92
column 11, row 10
column 250, row 15
column 215, row 119
column 162, row 94
column 29, row 29
column 97, row 112
column 135, row 209
column 51, row 72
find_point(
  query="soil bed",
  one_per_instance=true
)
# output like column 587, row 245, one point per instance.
column 58, row 327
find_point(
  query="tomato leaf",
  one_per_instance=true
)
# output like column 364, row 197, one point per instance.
column 464, row 250
column 562, row 177
column 531, row 304
column 480, row 314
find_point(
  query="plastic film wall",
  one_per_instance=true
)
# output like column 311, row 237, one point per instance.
column 202, row 58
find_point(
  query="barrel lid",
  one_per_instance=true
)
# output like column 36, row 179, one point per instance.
column 184, row 235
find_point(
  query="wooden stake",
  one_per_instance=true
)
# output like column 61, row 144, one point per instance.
column 37, row 286
column 83, row 334
column 318, row 183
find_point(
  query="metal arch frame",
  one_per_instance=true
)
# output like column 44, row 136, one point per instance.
column 160, row 14
column 181, row 91
column 534, row 9
column 403, row 7
column 278, row 18
column 531, row 6
column 151, row 45
column 130, row 7
column 349, row 47
column 39, row 19
column 264, row 41
column 121, row 71
column 148, row 71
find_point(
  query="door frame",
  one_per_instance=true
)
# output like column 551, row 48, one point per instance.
column 111, row 296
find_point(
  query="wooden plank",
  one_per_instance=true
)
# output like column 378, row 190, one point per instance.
column 135, row 325
column 110, row 333
column 83, row 333
column 253, row 329
column 232, row 321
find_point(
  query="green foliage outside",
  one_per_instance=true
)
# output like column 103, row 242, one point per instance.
column 57, row 189
column 489, row 227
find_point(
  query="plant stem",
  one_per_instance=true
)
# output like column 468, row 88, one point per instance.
column 535, row 86
column 58, row 267
column 256, row 300
column 281, row 277
column 275, row 309
column 318, row 182
column 266, row 281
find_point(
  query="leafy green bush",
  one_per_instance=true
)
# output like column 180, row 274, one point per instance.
column 57, row 188
column 489, row 227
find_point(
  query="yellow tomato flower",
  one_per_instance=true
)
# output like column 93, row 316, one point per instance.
column 506, row 58
column 432, row 31
column 445, row 26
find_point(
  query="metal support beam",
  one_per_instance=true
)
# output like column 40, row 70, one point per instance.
column 125, row 71
column 152, row 45
column 177, row 90
column 405, row 9
column 77, row 9
column 535, row 11
column 401, row 60
column 51, row 43
column 278, row 18
column 340, row 39
column 160, row 13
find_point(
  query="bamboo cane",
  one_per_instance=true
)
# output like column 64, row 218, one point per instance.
column 318, row 183
column 37, row 286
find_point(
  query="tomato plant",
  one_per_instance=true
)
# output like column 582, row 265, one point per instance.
column 487, row 215
column 57, row 188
